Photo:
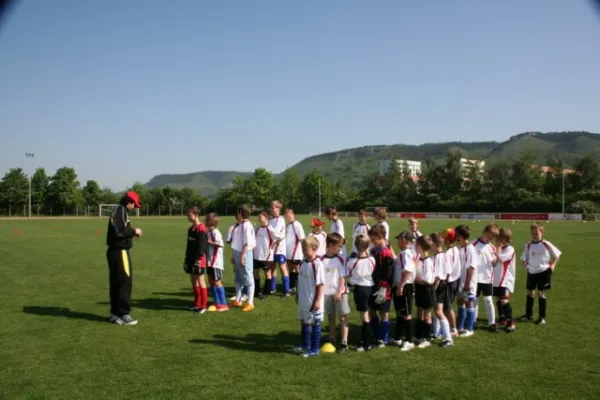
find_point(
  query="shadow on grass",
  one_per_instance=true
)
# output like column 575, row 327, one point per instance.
column 154, row 303
column 63, row 312
column 281, row 342
column 188, row 293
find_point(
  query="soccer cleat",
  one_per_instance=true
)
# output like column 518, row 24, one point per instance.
column 525, row 318
column 447, row 343
column 395, row 342
column 510, row 328
column 435, row 338
column 308, row 354
column 406, row 346
column 424, row 344
column 116, row 320
column 343, row 348
column 467, row 334
column 128, row 320
column 299, row 350
column 191, row 308
column 248, row 307
column 199, row 310
column 454, row 334
column 493, row 328
column 288, row 294
column 222, row 308
column 212, row 309
column 362, row 348
column 540, row 321
column 272, row 291
column 380, row 344
column 236, row 303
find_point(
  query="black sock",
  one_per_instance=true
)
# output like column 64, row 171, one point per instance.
column 529, row 307
column 418, row 329
column 267, row 287
column 508, row 311
column 429, row 330
column 366, row 334
column 500, row 309
column 400, row 328
column 410, row 329
column 292, row 280
column 257, row 283
column 542, row 305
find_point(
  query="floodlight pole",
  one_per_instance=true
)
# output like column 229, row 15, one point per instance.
column 319, row 197
column 563, row 192
column 30, row 155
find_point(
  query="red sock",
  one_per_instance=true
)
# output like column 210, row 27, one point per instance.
column 197, row 296
column 204, row 297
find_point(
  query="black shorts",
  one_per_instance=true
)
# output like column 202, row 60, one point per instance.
column 541, row 281
column 260, row 264
column 424, row 296
column 441, row 293
column 404, row 304
column 484, row 288
column 215, row 274
column 295, row 262
column 384, row 307
column 501, row 292
column 362, row 295
column 194, row 270
column 452, row 289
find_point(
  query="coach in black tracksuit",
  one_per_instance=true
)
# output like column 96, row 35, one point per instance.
column 119, row 236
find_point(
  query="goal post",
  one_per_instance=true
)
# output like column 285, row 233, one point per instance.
column 106, row 210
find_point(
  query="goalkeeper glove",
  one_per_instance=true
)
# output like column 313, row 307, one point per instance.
column 380, row 295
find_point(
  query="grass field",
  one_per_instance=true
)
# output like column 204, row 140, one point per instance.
column 56, row 342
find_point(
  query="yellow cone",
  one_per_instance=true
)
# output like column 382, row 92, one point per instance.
column 328, row 348
column 212, row 309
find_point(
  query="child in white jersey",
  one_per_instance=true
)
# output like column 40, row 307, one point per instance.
column 310, row 298
column 266, row 236
column 336, row 226
column 294, row 233
column 215, row 263
column 336, row 291
column 424, row 291
column 485, row 274
column 317, row 232
column 440, row 266
column 361, row 227
column 279, row 249
column 540, row 258
column 468, row 281
column 453, row 284
column 413, row 228
column 242, row 244
column 360, row 270
column 504, row 277
column 404, row 274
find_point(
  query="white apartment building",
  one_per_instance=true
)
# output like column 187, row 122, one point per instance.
column 465, row 163
column 413, row 166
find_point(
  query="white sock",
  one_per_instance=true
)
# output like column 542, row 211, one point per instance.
column 490, row 310
column 238, row 292
column 250, row 294
column 476, row 309
column 445, row 328
column 436, row 326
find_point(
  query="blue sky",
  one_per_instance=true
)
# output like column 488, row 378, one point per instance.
column 125, row 90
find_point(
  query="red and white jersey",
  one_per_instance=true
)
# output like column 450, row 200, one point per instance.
column 405, row 261
column 294, row 233
column 386, row 226
column 505, row 271
column 537, row 256
column 485, row 268
column 440, row 266
column 278, row 225
column 264, row 243
column 243, row 235
column 215, row 251
column 359, row 229
column 335, row 269
column 468, row 260
column 424, row 270
column 360, row 270
column 454, row 267
column 310, row 275
column 322, row 239
column 338, row 226
column 230, row 232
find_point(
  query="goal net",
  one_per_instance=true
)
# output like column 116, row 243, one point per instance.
column 106, row 210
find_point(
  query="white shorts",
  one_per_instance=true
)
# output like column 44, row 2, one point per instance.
column 341, row 307
column 310, row 317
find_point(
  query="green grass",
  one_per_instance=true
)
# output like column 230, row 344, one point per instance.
column 57, row 344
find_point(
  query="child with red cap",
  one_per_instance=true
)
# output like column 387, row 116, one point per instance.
column 317, row 231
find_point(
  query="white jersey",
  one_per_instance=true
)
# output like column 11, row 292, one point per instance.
column 322, row 239
column 424, row 270
column 335, row 269
column 359, row 229
column 243, row 235
column 294, row 233
column 338, row 226
column 264, row 243
column 230, row 232
column 215, row 251
column 405, row 261
column 506, row 271
column 440, row 266
column 537, row 256
column 415, row 236
column 361, row 270
column 278, row 225
column 468, row 260
column 454, row 268
column 485, row 268
column 311, row 275
column 386, row 226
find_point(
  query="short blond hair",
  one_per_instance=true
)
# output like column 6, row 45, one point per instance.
column 361, row 242
column 492, row 228
column 413, row 220
column 380, row 213
column 310, row 242
column 537, row 226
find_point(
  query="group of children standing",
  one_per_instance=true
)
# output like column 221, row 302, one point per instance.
column 430, row 272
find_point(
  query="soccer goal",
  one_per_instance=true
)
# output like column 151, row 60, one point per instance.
column 106, row 210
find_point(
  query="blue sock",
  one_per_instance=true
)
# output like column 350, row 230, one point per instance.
column 375, row 327
column 470, row 319
column 385, row 330
column 306, row 331
column 222, row 299
column 462, row 314
column 213, row 293
column 286, row 284
column 273, row 284
column 316, row 338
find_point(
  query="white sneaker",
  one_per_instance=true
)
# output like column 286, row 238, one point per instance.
column 299, row 350
column 116, row 320
column 424, row 344
column 233, row 298
column 395, row 342
column 128, row 320
column 406, row 346
column 467, row 334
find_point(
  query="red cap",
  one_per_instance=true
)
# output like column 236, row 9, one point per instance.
column 316, row 222
column 449, row 235
column 133, row 196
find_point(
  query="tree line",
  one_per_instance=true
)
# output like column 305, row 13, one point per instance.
column 515, row 184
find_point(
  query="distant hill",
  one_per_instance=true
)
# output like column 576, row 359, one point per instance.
column 352, row 165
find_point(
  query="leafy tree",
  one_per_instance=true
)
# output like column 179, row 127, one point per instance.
column 525, row 175
column 260, row 187
column 107, row 196
column 473, row 181
column 92, row 194
column 288, row 188
column 39, row 188
column 371, row 193
column 310, row 190
column 587, row 173
column 63, row 189
column 452, row 176
column 14, row 188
